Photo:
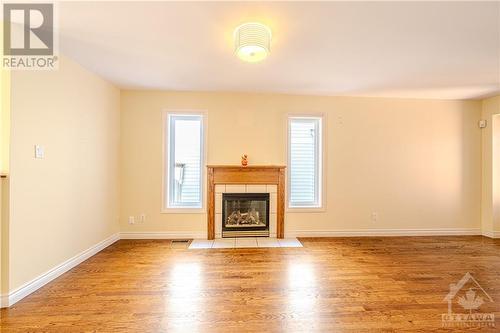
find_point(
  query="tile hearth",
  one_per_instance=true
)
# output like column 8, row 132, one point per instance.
column 242, row 242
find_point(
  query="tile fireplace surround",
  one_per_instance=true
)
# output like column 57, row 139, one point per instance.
column 246, row 188
column 251, row 179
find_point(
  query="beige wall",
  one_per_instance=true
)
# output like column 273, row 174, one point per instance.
column 495, row 154
column 4, row 121
column 417, row 163
column 4, row 170
column 68, row 201
column 4, row 239
column 490, row 204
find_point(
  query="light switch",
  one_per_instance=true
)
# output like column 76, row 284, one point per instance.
column 39, row 151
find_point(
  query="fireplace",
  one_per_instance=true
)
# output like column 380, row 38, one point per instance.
column 245, row 215
column 228, row 179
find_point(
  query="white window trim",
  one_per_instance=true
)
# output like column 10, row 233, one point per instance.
column 322, row 181
column 165, row 170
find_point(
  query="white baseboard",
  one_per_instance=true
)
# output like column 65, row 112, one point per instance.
column 163, row 235
column 319, row 233
column 491, row 234
column 384, row 232
column 38, row 282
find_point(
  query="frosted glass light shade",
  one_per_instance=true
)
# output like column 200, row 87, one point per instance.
column 252, row 41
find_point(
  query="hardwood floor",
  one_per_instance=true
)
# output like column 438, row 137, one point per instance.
column 329, row 285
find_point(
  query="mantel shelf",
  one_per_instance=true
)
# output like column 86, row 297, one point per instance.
column 246, row 167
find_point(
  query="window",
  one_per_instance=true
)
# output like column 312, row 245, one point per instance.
column 185, row 146
column 304, row 162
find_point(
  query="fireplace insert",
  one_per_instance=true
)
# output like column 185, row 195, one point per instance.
column 245, row 215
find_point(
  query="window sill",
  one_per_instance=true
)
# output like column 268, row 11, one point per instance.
column 179, row 210
column 305, row 209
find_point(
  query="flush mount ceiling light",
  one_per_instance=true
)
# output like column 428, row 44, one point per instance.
column 252, row 41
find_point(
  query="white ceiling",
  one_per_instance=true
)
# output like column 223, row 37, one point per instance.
column 394, row 49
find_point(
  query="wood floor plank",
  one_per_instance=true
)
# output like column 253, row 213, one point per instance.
column 392, row 284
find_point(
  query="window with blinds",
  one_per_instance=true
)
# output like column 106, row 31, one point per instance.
column 185, row 160
column 304, row 162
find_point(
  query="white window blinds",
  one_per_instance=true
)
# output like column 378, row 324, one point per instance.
column 304, row 161
column 185, row 160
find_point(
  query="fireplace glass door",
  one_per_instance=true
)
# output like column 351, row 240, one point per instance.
column 245, row 214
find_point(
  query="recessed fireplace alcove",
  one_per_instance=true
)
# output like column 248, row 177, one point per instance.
column 254, row 182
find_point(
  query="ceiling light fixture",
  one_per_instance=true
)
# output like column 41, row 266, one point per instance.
column 252, row 41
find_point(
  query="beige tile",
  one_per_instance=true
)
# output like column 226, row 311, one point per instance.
column 201, row 244
column 235, row 188
column 272, row 188
column 252, row 188
column 246, row 242
column 273, row 202
column 289, row 242
column 218, row 203
column 267, row 242
column 223, row 243
column 218, row 223
column 220, row 188
column 272, row 223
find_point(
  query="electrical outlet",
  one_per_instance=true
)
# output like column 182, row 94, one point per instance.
column 39, row 151
column 131, row 220
column 142, row 218
column 374, row 217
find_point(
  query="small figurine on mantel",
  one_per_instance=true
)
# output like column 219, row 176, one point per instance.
column 244, row 160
